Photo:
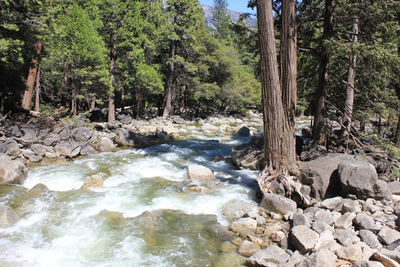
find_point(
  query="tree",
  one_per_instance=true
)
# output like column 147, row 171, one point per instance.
column 221, row 20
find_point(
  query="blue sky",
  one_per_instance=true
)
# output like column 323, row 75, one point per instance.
column 235, row 5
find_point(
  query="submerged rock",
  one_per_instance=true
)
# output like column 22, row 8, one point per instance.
column 95, row 180
column 11, row 171
column 8, row 217
column 200, row 173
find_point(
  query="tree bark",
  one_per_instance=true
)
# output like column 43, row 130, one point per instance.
column 169, row 98
column 318, row 132
column 37, row 92
column 30, row 82
column 349, row 103
column 138, row 104
column 111, row 98
column 288, row 71
column 397, row 137
column 74, row 107
column 274, row 119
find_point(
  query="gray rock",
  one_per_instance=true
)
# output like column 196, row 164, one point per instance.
column 41, row 150
column 64, row 132
column 8, row 217
column 303, row 238
column 67, row 149
column 351, row 253
column 324, row 216
column 388, row 235
column 345, row 221
column 200, row 173
column 346, row 237
column 244, row 131
column 29, row 136
column 394, row 187
column 105, row 144
column 364, row 221
column 386, row 260
column 31, row 156
column 321, row 258
column 237, row 208
column 350, row 205
column 247, row 156
column 51, row 140
column 360, row 178
column 270, row 256
column 278, row 204
column 128, row 138
column 370, row 239
column 87, row 150
column 12, row 149
column 300, row 219
column 3, row 148
column 335, row 203
column 11, row 171
column 248, row 248
column 320, row 227
column 81, row 134
column 367, row 264
column 244, row 224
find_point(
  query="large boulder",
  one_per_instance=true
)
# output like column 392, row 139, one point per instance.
column 321, row 175
column 278, row 204
column 41, row 150
column 303, row 238
column 359, row 178
column 270, row 256
column 244, row 131
column 105, row 144
column 11, row 171
column 200, row 173
column 126, row 137
column 8, row 217
column 82, row 134
column 248, row 156
column 68, row 149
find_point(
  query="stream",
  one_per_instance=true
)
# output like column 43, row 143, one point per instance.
column 140, row 217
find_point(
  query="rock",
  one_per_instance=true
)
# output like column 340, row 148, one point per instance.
column 321, row 175
column 51, row 140
column 351, row 253
column 394, row 187
column 8, row 217
column 320, row 227
column 37, row 190
column 363, row 221
column 300, row 219
column 385, row 260
column 370, row 239
column 31, row 156
column 388, row 235
column 105, row 145
column 367, row 264
column 237, row 208
column 11, row 171
column 95, row 180
column 335, row 203
column 87, row 150
column 67, row 149
column 64, row 132
column 346, row 237
column 270, row 256
column 313, row 153
column 321, row 258
column 41, row 150
column 248, row 248
column 244, row 224
column 350, row 205
column 199, row 189
column 278, row 204
column 360, row 178
column 324, row 216
column 325, row 237
column 200, row 173
column 29, row 136
column 345, row 221
column 81, row 134
column 244, row 131
column 230, row 259
column 12, row 149
column 248, row 156
column 128, row 138
column 207, row 127
column 303, row 238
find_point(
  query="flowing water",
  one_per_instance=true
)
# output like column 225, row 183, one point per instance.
column 140, row 217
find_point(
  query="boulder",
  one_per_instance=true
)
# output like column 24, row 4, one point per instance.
column 248, row 248
column 350, row 205
column 237, row 208
column 370, row 239
column 95, row 180
column 67, row 149
column 64, row 133
column 29, row 136
column 41, row 150
column 320, row 174
column 200, row 173
column 346, row 237
column 243, row 131
column 244, row 224
column 248, row 156
column 11, row 171
column 31, row 156
column 126, row 137
column 8, row 217
column 321, row 258
column 12, row 149
column 303, row 238
column 87, row 150
column 300, row 219
column 51, row 140
column 359, row 178
column 388, row 235
column 105, row 144
column 345, row 221
column 335, row 203
column 324, row 216
column 351, row 253
column 366, row 222
column 270, row 256
column 81, row 134
column 394, row 187
column 278, row 204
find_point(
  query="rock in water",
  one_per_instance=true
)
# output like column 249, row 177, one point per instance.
column 11, row 171
column 93, row 181
column 8, row 217
column 105, row 145
column 244, row 131
column 278, row 204
column 200, row 173
column 248, row 248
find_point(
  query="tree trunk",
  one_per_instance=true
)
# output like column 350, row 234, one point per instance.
column 288, row 71
column 397, row 137
column 30, row 82
column 271, row 89
column 111, row 98
column 318, row 132
column 122, row 99
column 37, row 92
column 349, row 103
column 138, row 104
column 92, row 105
column 169, row 98
column 74, row 108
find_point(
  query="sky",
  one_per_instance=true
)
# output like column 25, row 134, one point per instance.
column 234, row 5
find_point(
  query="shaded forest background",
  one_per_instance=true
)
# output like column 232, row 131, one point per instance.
column 163, row 58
